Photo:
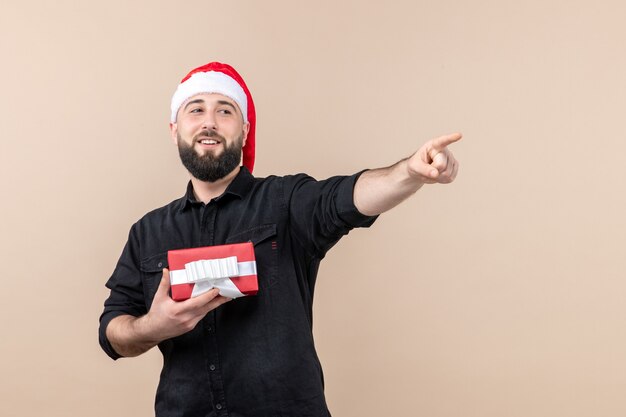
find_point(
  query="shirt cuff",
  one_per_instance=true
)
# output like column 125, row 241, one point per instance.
column 105, row 319
column 346, row 209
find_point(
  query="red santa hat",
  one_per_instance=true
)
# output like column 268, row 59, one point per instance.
column 216, row 77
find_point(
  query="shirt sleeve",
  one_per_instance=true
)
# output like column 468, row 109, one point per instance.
column 321, row 212
column 126, row 295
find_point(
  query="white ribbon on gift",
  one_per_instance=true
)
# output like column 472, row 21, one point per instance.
column 213, row 273
column 211, row 269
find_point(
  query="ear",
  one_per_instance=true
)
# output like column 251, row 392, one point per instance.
column 174, row 133
column 246, row 129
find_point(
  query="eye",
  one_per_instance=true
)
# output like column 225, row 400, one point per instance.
column 225, row 111
column 195, row 110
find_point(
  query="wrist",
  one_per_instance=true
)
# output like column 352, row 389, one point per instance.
column 407, row 177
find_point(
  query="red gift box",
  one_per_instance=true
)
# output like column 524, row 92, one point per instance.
column 230, row 268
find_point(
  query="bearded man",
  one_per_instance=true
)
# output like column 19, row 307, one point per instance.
column 252, row 356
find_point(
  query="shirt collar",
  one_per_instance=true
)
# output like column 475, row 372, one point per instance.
column 238, row 187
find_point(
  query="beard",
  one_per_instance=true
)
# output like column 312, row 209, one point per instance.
column 209, row 167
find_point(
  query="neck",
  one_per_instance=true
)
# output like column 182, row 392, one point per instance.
column 206, row 191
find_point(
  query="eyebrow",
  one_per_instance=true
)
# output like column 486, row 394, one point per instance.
column 196, row 101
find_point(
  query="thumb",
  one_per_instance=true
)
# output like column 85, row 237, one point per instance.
column 164, row 285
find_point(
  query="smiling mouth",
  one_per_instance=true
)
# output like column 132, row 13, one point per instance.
column 209, row 141
column 209, row 138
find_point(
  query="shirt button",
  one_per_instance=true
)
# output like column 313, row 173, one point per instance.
column 218, row 406
column 212, row 367
column 160, row 264
column 209, row 329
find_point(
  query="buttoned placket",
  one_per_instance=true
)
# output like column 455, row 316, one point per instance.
column 209, row 215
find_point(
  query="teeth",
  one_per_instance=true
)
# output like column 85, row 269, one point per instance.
column 208, row 142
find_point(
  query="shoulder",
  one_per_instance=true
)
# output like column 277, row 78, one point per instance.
column 298, row 184
column 278, row 181
column 282, row 180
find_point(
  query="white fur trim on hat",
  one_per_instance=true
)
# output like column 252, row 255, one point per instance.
column 210, row 82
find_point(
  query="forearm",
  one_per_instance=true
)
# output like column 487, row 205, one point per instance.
column 381, row 189
column 129, row 335
column 132, row 336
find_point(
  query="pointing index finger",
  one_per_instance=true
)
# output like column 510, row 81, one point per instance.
column 440, row 143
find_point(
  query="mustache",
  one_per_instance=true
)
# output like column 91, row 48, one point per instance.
column 209, row 134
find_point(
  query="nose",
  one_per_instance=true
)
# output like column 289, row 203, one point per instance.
column 208, row 122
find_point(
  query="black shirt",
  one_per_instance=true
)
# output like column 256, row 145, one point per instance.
column 253, row 356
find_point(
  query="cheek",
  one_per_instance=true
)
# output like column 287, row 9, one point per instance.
column 188, row 128
column 235, row 129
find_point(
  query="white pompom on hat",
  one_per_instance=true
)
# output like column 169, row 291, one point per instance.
column 219, row 78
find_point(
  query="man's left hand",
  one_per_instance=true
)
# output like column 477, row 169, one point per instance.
column 433, row 162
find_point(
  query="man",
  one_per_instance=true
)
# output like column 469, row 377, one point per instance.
column 253, row 356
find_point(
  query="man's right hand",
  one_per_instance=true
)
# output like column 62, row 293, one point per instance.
column 132, row 336
column 168, row 318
